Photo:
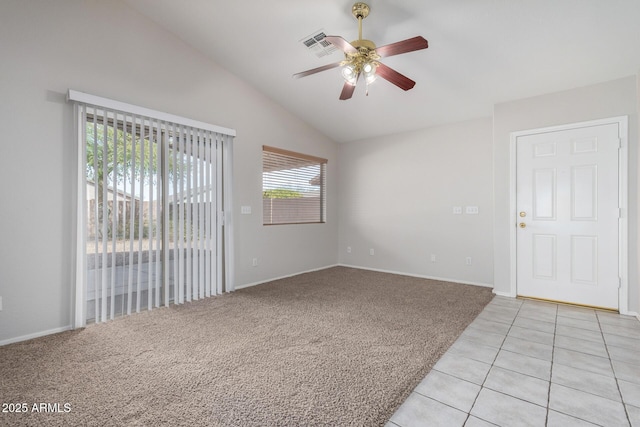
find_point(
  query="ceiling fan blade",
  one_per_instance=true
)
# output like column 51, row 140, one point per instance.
column 391, row 75
column 409, row 45
column 341, row 44
column 347, row 91
column 316, row 70
column 348, row 88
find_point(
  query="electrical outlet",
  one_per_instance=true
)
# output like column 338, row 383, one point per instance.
column 348, row 249
column 467, row 261
column 255, row 262
column 372, row 252
column 433, row 258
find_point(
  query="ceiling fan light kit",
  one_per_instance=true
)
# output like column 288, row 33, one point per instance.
column 362, row 58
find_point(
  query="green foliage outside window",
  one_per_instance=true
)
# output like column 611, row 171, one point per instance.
column 281, row 193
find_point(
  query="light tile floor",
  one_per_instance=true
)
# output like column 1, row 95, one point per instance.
column 532, row 363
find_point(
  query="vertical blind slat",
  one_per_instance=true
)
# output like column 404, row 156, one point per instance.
column 201, row 142
column 131, row 216
column 105, row 174
column 140, row 213
column 181, row 235
column 219, row 229
column 94, row 135
column 167, row 208
column 151, row 221
column 122, row 232
column 114, row 221
column 187, row 201
column 159, row 229
column 193, row 202
column 207, row 241
column 174, row 206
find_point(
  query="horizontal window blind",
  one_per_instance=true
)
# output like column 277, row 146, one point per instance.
column 293, row 187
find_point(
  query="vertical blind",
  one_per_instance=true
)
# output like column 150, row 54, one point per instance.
column 152, row 200
column 293, row 187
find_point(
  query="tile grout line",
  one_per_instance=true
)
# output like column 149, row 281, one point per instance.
column 492, row 365
column 553, row 353
column 615, row 377
column 594, row 373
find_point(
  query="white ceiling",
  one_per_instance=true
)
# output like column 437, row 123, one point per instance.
column 481, row 52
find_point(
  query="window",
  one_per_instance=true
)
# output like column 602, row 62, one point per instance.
column 293, row 187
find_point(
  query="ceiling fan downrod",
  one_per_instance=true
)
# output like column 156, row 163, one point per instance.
column 360, row 11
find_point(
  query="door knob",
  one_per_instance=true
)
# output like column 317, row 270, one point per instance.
column 522, row 225
column 523, row 214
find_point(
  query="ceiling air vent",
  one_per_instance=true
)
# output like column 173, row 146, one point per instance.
column 317, row 45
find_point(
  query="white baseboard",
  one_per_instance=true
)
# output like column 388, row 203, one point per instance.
column 420, row 276
column 631, row 313
column 35, row 335
column 248, row 285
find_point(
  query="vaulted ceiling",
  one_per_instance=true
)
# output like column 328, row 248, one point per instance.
column 481, row 52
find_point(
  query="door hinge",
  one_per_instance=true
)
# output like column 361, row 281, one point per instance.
column 221, row 217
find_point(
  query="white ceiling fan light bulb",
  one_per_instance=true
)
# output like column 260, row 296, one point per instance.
column 349, row 74
column 369, row 72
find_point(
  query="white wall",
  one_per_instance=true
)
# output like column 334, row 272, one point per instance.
column 106, row 48
column 397, row 195
column 635, row 261
column 610, row 99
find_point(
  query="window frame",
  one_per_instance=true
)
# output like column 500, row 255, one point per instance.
column 304, row 160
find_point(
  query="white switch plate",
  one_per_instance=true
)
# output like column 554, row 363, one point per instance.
column 372, row 252
column 245, row 210
column 468, row 260
column 457, row 210
column 471, row 210
column 255, row 262
column 433, row 258
column 348, row 249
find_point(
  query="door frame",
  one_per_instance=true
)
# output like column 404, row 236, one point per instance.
column 623, row 178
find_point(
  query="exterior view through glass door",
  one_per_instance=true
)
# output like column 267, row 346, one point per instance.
column 152, row 218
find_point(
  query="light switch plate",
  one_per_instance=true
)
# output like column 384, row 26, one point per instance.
column 457, row 210
column 471, row 210
column 245, row 210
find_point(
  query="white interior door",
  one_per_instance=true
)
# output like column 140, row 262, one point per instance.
column 568, row 212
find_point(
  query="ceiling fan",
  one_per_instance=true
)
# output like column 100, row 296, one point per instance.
column 362, row 57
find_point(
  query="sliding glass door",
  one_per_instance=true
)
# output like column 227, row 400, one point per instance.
column 152, row 212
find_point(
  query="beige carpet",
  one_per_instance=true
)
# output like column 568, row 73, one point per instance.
column 336, row 347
